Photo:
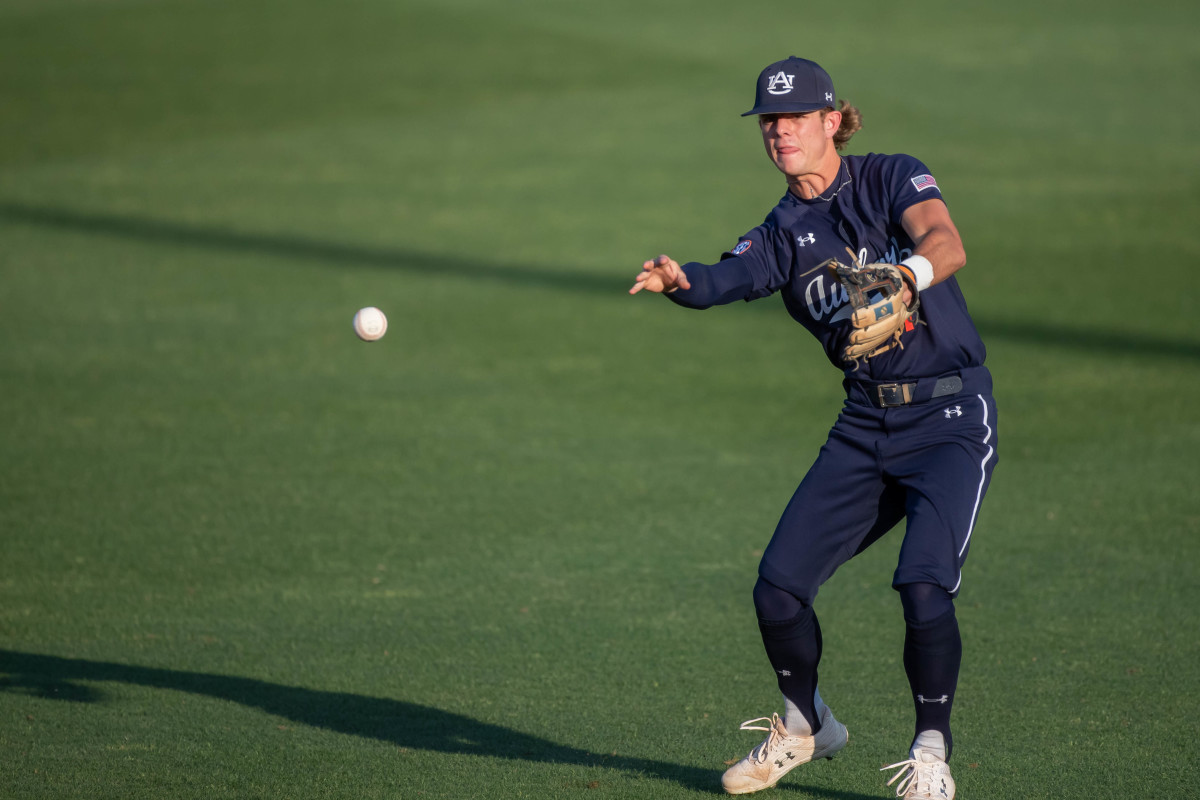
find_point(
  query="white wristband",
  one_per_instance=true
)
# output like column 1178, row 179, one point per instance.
column 922, row 269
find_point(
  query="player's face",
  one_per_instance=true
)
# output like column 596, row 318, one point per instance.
column 799, row 144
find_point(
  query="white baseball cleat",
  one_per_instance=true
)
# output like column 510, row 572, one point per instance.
column 922, row 777
column 781, row 752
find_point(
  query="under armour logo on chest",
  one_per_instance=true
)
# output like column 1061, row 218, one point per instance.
column 806, row 238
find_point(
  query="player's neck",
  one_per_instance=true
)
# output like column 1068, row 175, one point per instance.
column 810, row 185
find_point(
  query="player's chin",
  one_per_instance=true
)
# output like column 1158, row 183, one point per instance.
column 789, row 163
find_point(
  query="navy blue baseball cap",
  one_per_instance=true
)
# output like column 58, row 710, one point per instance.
column 791, row 86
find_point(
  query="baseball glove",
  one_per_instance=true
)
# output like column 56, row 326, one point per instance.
column 879, row 314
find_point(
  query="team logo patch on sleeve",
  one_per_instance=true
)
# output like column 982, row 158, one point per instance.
column 923, row 182
column 741, row 247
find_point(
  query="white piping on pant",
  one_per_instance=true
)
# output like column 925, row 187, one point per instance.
column 978, row 494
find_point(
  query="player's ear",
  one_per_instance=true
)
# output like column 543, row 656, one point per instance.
column 832, row 121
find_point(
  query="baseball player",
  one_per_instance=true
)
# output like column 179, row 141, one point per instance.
column 863, row 251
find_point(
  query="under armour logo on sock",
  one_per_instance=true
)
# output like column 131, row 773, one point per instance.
column 785, row 673
column 943, row 699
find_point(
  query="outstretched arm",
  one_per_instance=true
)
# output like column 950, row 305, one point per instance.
column 662, row 274
column 693, row 285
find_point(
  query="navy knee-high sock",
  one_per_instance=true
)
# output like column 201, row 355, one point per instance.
column 932, row 656
column 792, row 638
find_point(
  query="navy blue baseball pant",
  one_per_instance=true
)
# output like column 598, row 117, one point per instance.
column 929, row 462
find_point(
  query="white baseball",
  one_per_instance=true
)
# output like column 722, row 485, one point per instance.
column 370, row 324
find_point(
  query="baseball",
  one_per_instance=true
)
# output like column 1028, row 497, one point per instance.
column 370, row 324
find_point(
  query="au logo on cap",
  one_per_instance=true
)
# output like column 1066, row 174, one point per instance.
column 779, row 79
column 791, row 86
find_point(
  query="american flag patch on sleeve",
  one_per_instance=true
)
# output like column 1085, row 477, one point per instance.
column 923, row 182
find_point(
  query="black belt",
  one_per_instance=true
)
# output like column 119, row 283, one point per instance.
column 883, row 394
column 901, row 394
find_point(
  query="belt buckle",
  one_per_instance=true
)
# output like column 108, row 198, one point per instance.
column 894, row 394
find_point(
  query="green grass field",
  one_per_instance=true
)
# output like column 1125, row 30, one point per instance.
column 507, row 551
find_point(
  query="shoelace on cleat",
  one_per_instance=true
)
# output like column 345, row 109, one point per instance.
column 917, row 775
column 759, row 753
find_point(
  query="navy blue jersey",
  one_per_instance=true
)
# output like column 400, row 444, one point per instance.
column 861, row 210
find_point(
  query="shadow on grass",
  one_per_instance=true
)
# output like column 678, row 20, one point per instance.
column 403, row 724
column 296, row 247
column 1103, row 341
